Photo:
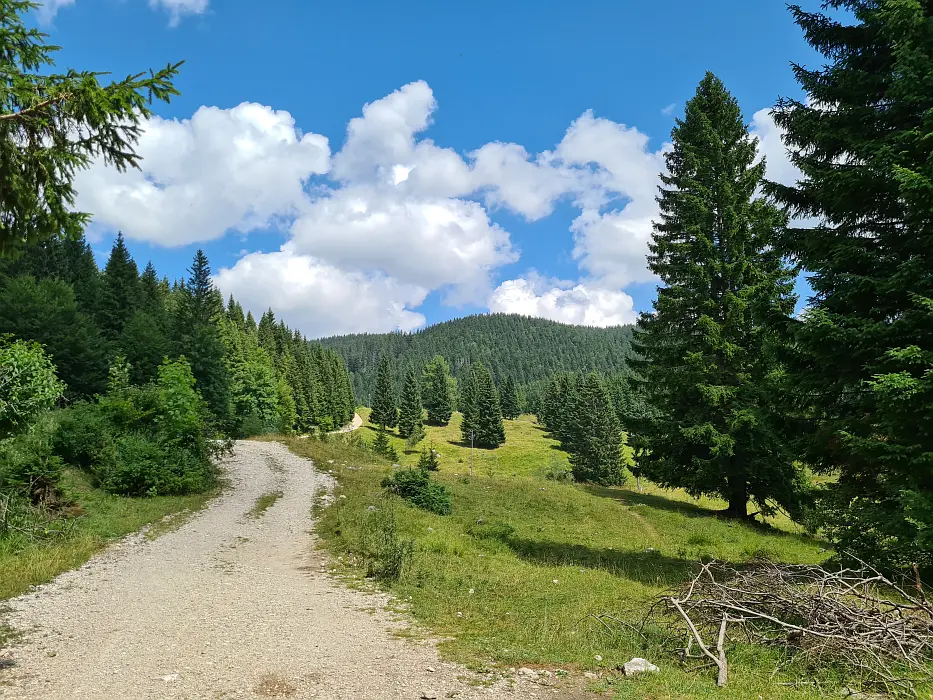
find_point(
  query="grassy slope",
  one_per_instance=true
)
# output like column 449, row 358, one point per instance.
column 540, row 557
column 107, row 517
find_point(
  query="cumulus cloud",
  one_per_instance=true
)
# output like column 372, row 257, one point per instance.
column 579, row 304
column 394, row 215
column 321, row 299
column 47, row 10
column 179, row 8
column 770, row 145
column 222, row 169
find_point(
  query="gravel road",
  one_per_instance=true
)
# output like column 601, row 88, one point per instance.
column 229, row 605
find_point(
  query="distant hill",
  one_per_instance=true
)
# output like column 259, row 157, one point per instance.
column 529, row 349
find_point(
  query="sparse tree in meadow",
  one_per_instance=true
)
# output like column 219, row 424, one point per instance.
column 411, row 412
column 436, row 393
column 508, row 398
column 385, row 412
column 708, row 345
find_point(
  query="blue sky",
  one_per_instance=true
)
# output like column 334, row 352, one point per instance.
column 507, row 161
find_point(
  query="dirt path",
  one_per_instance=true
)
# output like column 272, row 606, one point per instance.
column 227, row 606
column 355, row 424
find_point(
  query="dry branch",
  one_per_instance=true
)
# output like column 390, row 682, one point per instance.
column 852, row 618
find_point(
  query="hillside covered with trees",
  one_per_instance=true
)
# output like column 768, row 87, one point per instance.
column 523, row 348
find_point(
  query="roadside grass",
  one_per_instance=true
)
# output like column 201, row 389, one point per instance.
column 264, row 502
column 104, row 518
column 516, row 575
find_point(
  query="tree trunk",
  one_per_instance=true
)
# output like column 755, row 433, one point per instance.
column 738, row 499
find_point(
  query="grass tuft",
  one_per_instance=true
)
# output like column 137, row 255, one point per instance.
column 263, row 503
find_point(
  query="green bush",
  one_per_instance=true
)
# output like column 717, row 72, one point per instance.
column 28, row 465
column 416, row 486
column 143, row 441
column 428, row 460
column 384, row 448
column 383, row 552
column 145, row 467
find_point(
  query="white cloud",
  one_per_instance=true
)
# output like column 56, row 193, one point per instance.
column 581, row 304
column 222, row 169
column 179, row 8
column 770, row 145
column 320, row 299
column 398, row 216
column 47, row 10
column 431, row 242
column 669, row 110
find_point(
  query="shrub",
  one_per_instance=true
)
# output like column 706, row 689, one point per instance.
column 417, row 435
column 383, row 552
column 416, row 486
column 384, row 448
column 29, row 466
column 28, row 384
column 146, row 467
column 428, row 460
column 558, row 470
column 84, row 437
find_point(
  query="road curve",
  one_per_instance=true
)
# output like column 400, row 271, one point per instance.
column 227, row 606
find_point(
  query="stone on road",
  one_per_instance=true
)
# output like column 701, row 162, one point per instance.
column 226, row 606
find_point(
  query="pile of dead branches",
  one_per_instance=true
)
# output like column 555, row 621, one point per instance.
column 851, row 618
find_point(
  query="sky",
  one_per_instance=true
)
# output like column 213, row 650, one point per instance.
column 372, row 166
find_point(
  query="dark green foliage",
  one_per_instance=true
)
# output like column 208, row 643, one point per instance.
column 861, row 357
column 508, row 399
column 39, row 115
column 429, row 460
column 410, row 417
column 121, row 291
column 417, row 487
column 385, row 413
column 436, row 391
column 143, row 441
column 710, row 364
column 528, row 349
column 596, row 456
column 197, row 336
column 145, row 344
column 29, row 468
column 383, row 447
column 482, row 417
column 45, row 311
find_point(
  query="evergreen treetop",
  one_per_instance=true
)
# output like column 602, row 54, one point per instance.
column 384, row 413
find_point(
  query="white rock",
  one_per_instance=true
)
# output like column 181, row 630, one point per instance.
column 636, row 666
column 170, row 677
column 598, row 657
column 528, row 673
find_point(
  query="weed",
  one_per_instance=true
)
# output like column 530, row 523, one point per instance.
column 263, row 503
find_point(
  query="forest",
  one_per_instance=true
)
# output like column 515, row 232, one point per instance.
column 526, row 349
column 822, row 419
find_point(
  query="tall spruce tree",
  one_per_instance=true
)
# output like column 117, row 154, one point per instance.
column 861, row 361
column 596, row 455
column 486, row 414
column 384, row 413
column 121, row 293
column 436, row 393
column 466, row 403
column 410, row 416
column 508, row 398
column 708, row 343
column 197, row 337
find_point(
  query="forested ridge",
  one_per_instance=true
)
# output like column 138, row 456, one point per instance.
column 523, row 348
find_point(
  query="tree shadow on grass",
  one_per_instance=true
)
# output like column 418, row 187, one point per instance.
column 690, row 510
column 649, row 568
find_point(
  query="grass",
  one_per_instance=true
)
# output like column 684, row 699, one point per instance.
column 263, row 503
column 514, row 576
column 105, row 518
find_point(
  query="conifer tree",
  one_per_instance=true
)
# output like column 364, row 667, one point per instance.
column 708, row 343
column 596, row 456
column 486, row 414
column 121, row 293
column 468, row 406
column 197, row 337
column 509, row 399
column 436, row 393
column 861, row 360
column 41, row 115
column 410, row 417
column 384, row 413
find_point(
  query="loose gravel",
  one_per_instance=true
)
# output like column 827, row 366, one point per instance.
column 226, row 606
